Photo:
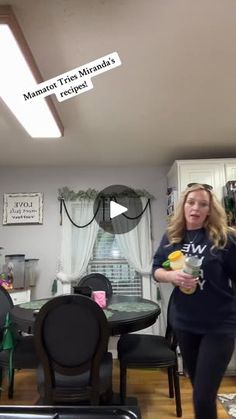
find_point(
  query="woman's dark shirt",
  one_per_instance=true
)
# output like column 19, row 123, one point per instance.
column 212, row 307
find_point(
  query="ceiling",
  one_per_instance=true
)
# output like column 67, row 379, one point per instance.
column 173, row 97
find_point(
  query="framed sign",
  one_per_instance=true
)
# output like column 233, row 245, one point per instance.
column 23, row 208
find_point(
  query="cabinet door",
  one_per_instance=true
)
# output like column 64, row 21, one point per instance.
column 210, row 172
column 230, row 171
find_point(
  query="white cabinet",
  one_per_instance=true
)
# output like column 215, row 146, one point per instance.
column 230, row 170
column 214, row 172
column 20, row 296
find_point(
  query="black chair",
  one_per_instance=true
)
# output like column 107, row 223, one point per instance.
column 71, row 336
column 97, row 282
column 24, row 355
column 84, row 290
column 151, row 351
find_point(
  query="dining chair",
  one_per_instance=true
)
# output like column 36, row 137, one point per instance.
column 83, row 289
column 98, row 282
column 151, row 351
column 17, row 351
column 71, row 335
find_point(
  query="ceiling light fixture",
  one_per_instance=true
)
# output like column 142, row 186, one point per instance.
column 18, row 73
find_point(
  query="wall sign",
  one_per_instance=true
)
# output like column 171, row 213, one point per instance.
column 23, row 208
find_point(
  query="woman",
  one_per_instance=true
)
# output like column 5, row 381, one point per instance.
column 204, row 321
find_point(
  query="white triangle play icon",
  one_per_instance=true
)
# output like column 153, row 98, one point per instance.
column 116, row 209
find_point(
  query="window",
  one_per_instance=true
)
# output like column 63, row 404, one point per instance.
column 108, row 260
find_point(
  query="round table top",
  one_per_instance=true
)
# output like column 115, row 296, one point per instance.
column 125, row 314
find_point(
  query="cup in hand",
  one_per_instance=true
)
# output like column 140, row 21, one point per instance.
column 100, row 298
column 192, row 267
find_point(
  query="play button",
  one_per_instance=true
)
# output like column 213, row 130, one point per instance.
column 117, row 209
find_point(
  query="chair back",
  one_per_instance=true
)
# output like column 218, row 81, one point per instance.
column 170, row 335
column 84, row 290
column 97, row 282
column 71, row 337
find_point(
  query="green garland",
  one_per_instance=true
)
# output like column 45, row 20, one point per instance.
column 69, row 195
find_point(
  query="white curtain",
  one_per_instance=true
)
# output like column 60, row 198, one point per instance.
column 77, row 243
column 136, row 245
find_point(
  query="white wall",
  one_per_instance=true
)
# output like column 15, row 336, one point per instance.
column 42, row 241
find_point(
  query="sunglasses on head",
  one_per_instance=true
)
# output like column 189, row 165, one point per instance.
column 204, row 185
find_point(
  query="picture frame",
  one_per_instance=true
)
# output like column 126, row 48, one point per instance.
column 23, row 208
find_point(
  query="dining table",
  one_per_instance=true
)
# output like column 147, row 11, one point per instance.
column 125, row 314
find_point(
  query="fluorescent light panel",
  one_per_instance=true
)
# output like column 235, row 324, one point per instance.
column 18, row 73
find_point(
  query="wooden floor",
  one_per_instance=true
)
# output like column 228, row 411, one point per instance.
column 150, row 387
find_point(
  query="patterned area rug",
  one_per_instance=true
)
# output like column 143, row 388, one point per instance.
column 229, row 403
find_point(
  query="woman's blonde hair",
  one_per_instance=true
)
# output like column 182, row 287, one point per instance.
column 215, row 223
